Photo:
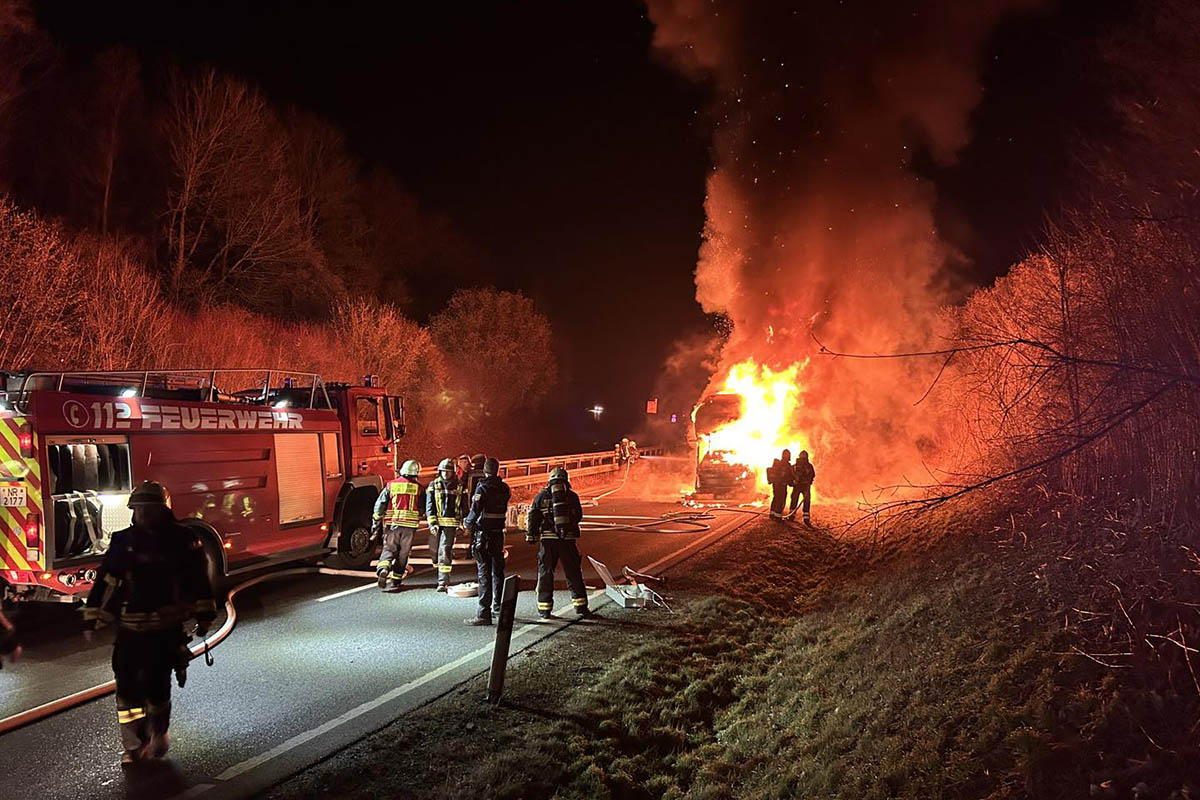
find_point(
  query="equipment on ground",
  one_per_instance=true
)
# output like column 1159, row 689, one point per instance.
column 265, row 466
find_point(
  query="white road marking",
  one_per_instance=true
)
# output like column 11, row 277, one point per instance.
column 344, row 592
column 301, row 738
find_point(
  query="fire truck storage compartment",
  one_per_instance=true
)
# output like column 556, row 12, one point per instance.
column 89, row 486
column 300, row 478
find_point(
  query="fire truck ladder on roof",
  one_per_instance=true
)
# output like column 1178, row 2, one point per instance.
column 201, row 383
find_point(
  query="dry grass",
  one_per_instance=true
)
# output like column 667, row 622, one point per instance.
column 949, row 668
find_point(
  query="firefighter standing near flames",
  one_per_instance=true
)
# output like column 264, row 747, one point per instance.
column 554, row 519
column 485, row 522
column 152, row 580
column 444, row 510
column 780, row 476
column 397, row 515
column 803, row 476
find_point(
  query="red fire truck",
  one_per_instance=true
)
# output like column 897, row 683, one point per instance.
column 267, row 466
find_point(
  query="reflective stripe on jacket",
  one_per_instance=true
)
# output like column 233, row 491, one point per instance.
column 489, row 505
column 556, row 513
column 398, row 504
column 443, row 503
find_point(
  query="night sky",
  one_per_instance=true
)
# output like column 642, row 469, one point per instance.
column 573, row 160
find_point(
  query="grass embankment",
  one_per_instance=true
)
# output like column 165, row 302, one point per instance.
column 945, row 663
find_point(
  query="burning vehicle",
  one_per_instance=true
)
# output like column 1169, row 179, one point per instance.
column 719, row 470
column 739, row 428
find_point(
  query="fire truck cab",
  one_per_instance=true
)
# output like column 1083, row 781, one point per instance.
column 267, row 466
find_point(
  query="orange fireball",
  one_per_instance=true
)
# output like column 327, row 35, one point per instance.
column 748, row 420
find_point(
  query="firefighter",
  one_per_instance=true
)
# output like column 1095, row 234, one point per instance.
column 803, row 476
column 461, row 467
column 152, row 579
column 472, row 477
column 780, row 476
column 554, row 519
column 443, row 509
column 397, row 515
column 485, row 522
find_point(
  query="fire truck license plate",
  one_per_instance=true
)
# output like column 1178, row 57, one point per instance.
column 12, row 496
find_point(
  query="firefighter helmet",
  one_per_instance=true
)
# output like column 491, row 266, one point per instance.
column 446, row 465
column 477, row 460
column 491, row 467
column 150, row 493
column 558, row 474
column 410, row 469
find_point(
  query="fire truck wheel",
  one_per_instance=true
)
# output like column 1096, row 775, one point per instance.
column 354, row 545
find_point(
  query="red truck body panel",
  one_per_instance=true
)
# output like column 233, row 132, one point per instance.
column 266, row 480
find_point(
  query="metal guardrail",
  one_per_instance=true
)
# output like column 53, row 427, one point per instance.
column 522, row 472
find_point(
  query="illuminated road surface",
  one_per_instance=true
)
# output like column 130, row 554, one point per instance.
column 306, row 671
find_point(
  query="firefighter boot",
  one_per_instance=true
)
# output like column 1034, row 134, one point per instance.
column 158, row 719
column 381, row 573
column 132, row 722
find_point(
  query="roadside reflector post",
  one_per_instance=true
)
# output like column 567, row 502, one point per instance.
column 504, row 627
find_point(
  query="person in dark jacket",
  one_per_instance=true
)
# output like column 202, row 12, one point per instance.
column 444, row 510
column 153, row 578
column 485, row 522
column 779, row 475
column 554, row 520
column 803, row 476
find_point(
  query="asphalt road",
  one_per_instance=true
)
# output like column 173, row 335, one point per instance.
column 314, row 663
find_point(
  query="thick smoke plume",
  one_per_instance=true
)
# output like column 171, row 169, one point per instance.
column 817, row 223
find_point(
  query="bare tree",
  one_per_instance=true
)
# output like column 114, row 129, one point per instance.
column 22, row 48
column 499, row 349
column 40, row 278
column 118, row 85
column 234, row 223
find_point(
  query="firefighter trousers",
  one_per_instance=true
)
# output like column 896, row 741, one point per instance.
column 443, row 552
column 142, row 664
column 397, row 543
column 779, row 492
column 489, row 568
column 552, row 552
column 797, row 492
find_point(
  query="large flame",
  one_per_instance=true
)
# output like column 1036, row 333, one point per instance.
column 770, row 400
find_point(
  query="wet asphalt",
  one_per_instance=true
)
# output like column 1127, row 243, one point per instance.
column 302, row 674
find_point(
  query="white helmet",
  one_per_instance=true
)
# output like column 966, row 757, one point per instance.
column 411, row 468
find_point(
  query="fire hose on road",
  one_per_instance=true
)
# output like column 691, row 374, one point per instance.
column 200, row 648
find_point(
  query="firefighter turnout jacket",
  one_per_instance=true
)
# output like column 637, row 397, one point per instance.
column 555, row 514
column 803, row 473
column 399, row 504
column 152, row 581
column 444, row 502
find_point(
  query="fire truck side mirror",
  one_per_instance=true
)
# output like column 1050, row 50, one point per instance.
column 397, row 409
